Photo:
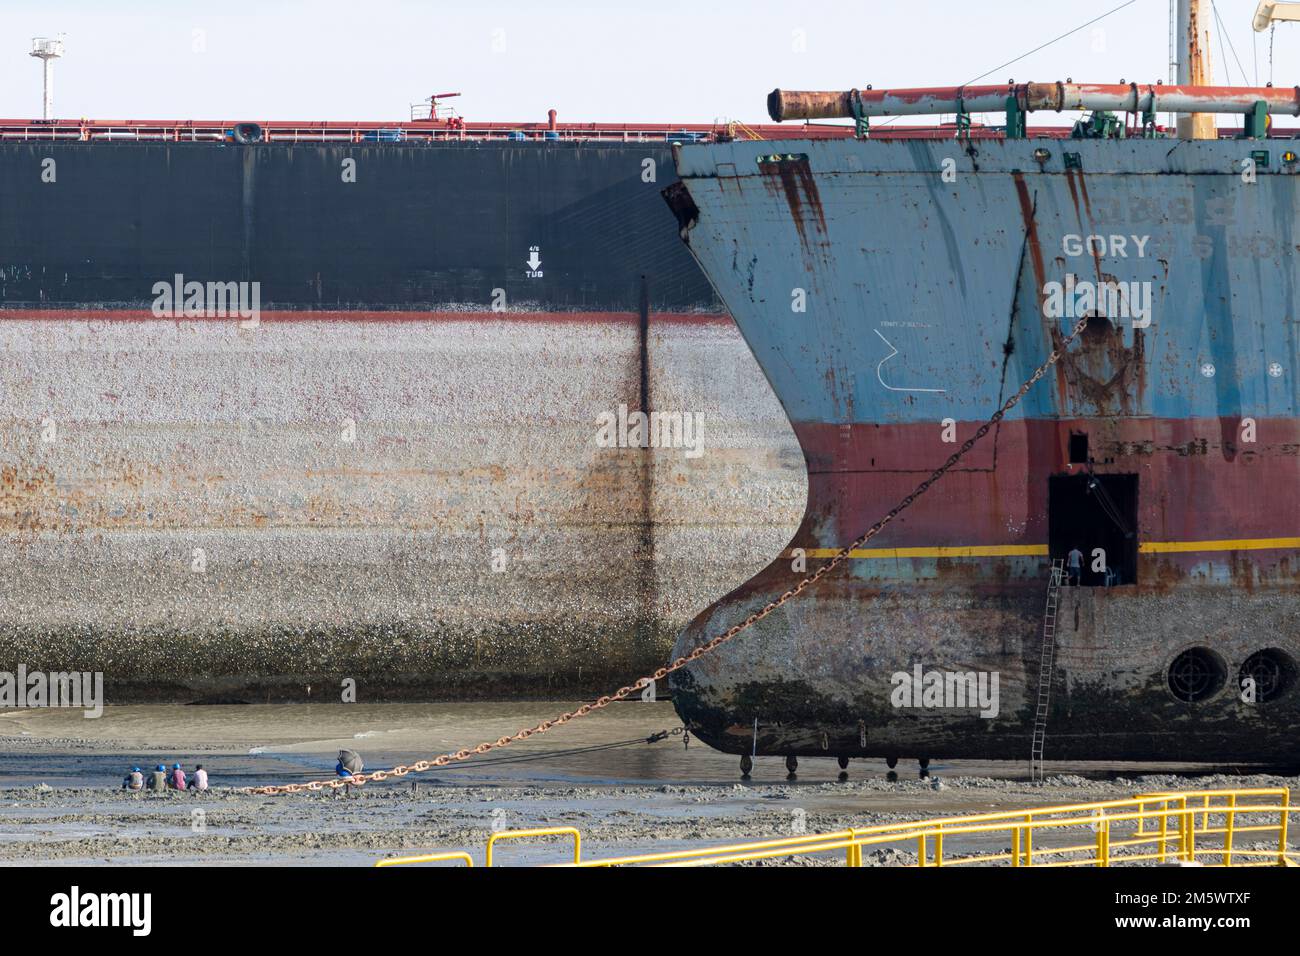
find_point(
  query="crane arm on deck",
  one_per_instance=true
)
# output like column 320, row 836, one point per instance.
column 1271, row 11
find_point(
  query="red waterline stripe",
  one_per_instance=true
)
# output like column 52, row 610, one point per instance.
column 363, row 315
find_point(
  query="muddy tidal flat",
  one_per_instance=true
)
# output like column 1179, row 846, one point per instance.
column 61, row 802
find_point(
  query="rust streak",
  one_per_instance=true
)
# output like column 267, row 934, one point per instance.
column 1031, row 231
column 1229, row 429
column 800, row 191
column 1027, row 215
column 1074, row 195
column 1087, row 201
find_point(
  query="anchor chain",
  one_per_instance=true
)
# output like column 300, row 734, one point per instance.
column 423, row 766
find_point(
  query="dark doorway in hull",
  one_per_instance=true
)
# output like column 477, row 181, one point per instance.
column 1089, row 512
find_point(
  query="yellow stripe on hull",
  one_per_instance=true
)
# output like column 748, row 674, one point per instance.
column 1040, row 550
column 956, row 551
column 1235, row 544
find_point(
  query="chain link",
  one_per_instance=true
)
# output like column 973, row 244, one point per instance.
column 422, row 766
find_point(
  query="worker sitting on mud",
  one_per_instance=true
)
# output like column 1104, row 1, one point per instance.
column 349, row 765
column 133, row 780
column 176, row 780
column 199, row 779
column 158, row 779
column 1075, row 566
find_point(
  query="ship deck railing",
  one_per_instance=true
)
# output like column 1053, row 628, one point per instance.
column 1234, row 827
column 427, row 131
column 454, row 129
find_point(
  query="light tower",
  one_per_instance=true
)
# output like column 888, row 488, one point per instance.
column 48, row 51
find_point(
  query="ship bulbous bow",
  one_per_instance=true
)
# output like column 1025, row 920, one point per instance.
column 895, row 293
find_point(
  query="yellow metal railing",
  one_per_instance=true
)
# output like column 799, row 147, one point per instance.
column 541, row 831
column 1188, row 827
column 428, row 858
column 737, row 125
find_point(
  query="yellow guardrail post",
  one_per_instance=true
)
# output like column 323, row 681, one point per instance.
column 1177, row 806
column 853, row 852
column 1227, row 839
column 920, row 843
column 541, row 831
column 1029, row 839
column 1015, row 846
column 1188, row 817
column 1281, row 834
column 938, row 846
column 1164, row 832
column 1103, row 839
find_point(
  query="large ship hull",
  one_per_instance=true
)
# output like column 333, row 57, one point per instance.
column 395, row 476
column 894, row 308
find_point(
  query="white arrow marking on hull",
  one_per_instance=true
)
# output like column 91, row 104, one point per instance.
column 892, row 352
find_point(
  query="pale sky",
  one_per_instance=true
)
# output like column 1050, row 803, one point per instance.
column 666, row 61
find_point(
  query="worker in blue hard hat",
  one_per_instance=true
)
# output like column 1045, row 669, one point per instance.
column 176, row 779
column 349, row 765
column 158, row 779
column 134, row 780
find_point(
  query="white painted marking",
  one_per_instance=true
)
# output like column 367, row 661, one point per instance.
column 892, row 352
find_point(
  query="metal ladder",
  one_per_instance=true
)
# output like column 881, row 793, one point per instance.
column 1046, row 662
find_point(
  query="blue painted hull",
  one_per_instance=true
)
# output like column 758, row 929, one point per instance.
column 894, row 294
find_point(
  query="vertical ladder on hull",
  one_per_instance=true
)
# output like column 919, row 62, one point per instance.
column 1046, row 662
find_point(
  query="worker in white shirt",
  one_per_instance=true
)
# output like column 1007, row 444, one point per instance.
column 1075, row 566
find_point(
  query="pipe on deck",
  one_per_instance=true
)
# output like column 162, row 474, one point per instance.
column 1030, row 97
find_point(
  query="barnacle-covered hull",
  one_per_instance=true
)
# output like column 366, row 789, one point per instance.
column 394, row 475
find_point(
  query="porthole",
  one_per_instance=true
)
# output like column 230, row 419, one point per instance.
column 1272, row 672
column 1197, row 674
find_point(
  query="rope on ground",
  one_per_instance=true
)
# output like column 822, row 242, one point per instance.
column 423, row 766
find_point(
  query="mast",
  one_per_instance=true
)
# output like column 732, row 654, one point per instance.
column 1191, row 54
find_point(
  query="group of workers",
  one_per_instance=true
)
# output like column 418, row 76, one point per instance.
column 163, row 779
